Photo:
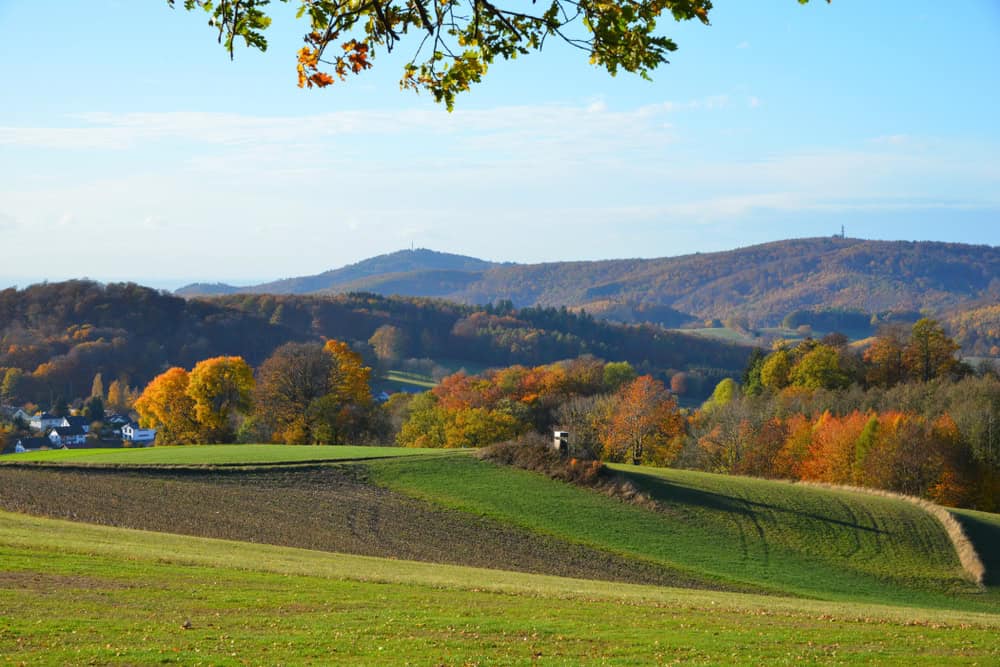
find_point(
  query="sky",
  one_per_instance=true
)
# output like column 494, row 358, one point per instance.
column 132, row 148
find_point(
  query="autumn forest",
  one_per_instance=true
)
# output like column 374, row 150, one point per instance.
column 894, row 400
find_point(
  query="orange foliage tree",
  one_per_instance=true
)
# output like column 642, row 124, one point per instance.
column 884, row 359
column 166, row 406
column 473, row 410
column 834, row 442
column 645, row 425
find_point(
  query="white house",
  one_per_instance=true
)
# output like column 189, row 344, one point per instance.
column 20, row 414
column 133, row 433
column 43, row 421
column 67, row 436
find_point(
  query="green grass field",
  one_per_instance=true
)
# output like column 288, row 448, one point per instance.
column 774, row 537
column 719, row 333
column 212, row 455
column 743, row 338
column 77, row 594
column 413, row 379
column 829, row 576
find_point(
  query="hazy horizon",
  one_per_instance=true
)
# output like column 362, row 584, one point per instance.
column 173, row 283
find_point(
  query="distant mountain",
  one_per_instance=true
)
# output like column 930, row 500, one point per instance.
column 419, row 272
column 762, row 283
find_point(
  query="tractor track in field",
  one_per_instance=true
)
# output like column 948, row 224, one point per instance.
column 322, row 507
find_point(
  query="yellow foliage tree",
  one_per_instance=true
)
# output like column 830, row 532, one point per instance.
column 776, row 370
column 426, row 425
column 166, row 406
column 221, row 388
column 118, row 395
column 350, row 377
column 478, row 427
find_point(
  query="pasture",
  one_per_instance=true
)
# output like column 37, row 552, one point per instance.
column 770, row 536
column 381, row 555
column 76, row 593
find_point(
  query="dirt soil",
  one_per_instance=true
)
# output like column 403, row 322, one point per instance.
column 327, row 508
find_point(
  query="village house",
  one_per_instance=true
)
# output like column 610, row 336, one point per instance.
column 116, row 421
column 131, row 432
column 67, row 436
column 77, row 422
column 43, row 421
column 12, row 414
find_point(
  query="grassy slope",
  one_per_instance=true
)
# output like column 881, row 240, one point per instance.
column 749, row 533
column 778, row 537
column 327, row 508
column 212, row 454
column 78, row 593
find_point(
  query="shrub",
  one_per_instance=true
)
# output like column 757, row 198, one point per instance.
column 534, row 452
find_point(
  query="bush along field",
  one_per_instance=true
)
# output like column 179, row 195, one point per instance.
column 445, row 558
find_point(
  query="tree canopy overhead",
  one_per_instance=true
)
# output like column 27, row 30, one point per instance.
column 454, row 41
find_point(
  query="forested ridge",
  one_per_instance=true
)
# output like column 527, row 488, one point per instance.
column 977, row 330
column 762, row 283
column 55, row 337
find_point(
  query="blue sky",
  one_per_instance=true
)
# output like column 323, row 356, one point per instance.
column 132, row 148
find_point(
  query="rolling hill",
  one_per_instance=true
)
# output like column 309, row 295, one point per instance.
column 445, row 274
column 763, row 283
column 711, row 531
column 442, row 558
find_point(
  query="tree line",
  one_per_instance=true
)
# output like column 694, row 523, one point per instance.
column 611, row 412
column 904, row 414
column 304, row 393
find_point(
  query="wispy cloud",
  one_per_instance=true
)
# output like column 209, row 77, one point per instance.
column 588, row 179
column 118, row 131
column 710, row 103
